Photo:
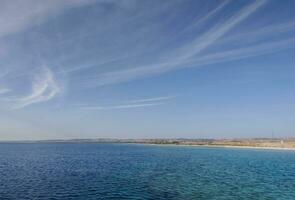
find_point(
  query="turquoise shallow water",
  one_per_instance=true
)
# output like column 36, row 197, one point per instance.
column 121, row 171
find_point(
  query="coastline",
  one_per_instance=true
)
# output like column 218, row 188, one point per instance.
column 151, row 144
column 221, row 146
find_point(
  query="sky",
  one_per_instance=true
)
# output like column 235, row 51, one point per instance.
column 146, row 69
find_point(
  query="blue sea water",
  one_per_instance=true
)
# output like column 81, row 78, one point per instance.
column 128, row 171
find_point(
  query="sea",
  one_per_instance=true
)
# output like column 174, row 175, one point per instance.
column 139, row 172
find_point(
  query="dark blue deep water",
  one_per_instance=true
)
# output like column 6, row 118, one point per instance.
column 121, row 171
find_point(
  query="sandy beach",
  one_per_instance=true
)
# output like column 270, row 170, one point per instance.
column 222, row 146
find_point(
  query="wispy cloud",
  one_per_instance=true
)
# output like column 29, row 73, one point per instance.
column 180, row 56
column 17, row 17
column 210, row 14
column 4, row 90
column 93, row 52
column 239, row 53
column 125, row 106
column 137, row 103
column 217, row 31
column 20, row 15
column 212, row 58
column 44, row 88
column 260, row 33
column 153, row 99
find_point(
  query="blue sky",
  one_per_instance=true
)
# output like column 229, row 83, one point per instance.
column 147, row 69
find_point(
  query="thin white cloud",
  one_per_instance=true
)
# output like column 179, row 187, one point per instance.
column 217, row 31
column 4, row 90
column 207, row 16
column 153, row 99
column 239, row 53
column 116, row 67
column 181, row 56
column 88, row 66
column 234, row 54
column 259, row 34
column 44, row 88
column 125, row 106
column 137, row 103
column 18, row 15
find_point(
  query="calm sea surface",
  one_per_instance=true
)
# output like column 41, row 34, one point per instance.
column 121, row 171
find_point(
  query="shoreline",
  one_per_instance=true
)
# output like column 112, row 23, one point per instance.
column 221, row 146
column 154, row 144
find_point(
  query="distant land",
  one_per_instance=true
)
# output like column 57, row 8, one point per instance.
column 265, row 143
